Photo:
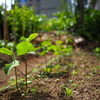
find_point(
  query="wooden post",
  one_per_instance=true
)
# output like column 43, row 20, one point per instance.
column 5, row 23
column 14, row 32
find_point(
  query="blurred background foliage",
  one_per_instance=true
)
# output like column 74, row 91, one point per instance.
column 82, row 19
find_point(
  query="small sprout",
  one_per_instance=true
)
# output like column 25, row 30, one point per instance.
column 35, row 70
column 68, row 91
column 75, row 72
column 70, row 81
column 46, row 90
column 34, row 90
column 56, row 80
column 75, row 85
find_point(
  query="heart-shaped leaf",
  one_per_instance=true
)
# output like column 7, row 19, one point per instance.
column 24, row 47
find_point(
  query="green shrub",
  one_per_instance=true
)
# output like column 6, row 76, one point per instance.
column 91, row 26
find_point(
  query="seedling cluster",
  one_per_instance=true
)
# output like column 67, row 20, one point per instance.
column 25, row 47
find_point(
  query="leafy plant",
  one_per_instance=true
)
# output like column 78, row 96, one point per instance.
column 68, row 91
column 23, row 21
column 24, row 48
column 15, row 62
column 59, row 49
column 91, row 19
column 44, row 46
column 97, row 51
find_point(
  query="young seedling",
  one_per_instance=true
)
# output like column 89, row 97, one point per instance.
column 68, row 91
column 62, row 49
column 59, row 49
column 24, row 48
column 44, row 46
column 15, row 63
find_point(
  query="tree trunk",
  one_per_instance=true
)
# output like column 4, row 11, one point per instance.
column 81, row 12
column 79, row 9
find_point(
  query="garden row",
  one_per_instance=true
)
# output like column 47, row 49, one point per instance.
column 26, row 47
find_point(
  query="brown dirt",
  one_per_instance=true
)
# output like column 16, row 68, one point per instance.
column 82, row 76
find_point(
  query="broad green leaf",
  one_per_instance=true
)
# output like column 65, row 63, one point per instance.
column 32, row 36
column 8, row 67
column 97, row 49
column 46, row 43
column 43, row 53
column 5, row 51
column 24, row 47
column 56, row 52
column 54, row 47
column 23, row 39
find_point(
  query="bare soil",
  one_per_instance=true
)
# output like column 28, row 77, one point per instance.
column 80, row 72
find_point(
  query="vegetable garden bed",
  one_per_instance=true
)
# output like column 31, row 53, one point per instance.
column 78, row 73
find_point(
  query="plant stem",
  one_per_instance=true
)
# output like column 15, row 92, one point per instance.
column 45, row 61
column 13, row 56
column 16, row 78
column 51, row 58
column 26, row 71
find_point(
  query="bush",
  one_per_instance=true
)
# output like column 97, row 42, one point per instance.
column 91, row 26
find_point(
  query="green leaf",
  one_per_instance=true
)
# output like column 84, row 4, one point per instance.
column 8, row 67
column 46, row 43
column 43, row 53
column 32, row 36
column 5, row 51
column 29, row 82
column 54, row 47
column 24, row 47
column 59, row 42
column 23, row 38
column 56, row 52
column 97, row 50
